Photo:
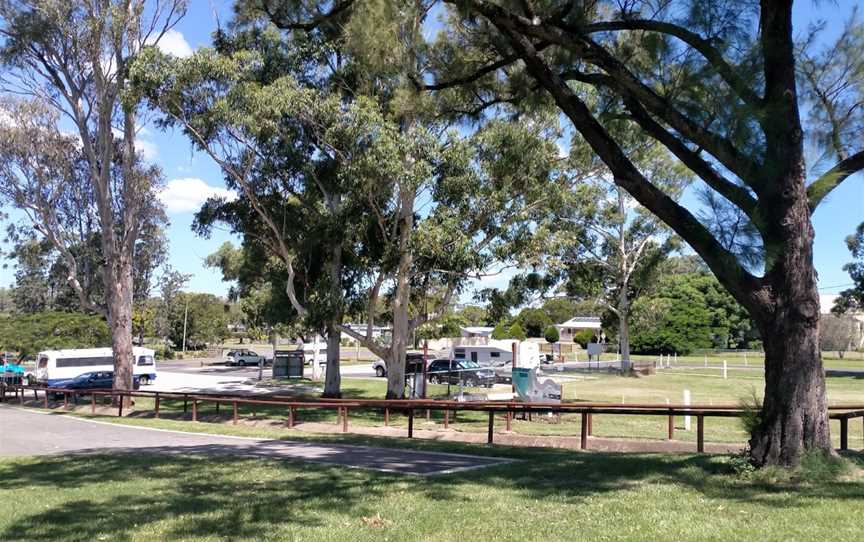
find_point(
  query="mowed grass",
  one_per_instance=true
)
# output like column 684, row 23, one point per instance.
column 544, row 495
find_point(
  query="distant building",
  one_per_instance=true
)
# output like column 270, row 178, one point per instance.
column 377, row 331
column 474, row 332
column 569, row 329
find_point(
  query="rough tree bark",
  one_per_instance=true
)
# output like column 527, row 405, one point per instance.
column 401, row 300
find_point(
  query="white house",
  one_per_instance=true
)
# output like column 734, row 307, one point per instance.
column 571, row 327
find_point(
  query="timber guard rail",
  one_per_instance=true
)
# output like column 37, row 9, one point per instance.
column 509, row 409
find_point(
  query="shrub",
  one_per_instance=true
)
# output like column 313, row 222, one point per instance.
column 516, row 332
column 551, row 334
column 501, row 331
column 583, row 337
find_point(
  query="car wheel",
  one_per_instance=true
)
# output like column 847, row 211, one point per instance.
column 143, row 380
column 379, row 372
column 469, row 383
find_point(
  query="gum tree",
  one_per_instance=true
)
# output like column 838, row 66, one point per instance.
column 72, row 57
column 721, row 85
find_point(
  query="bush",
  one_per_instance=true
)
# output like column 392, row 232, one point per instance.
column 582, row 338
column 516, row 332
column 501, row 331
column 551, row 334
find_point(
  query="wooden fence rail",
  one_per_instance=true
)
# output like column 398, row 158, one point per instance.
column 509, row 409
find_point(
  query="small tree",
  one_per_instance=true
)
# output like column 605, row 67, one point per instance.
column 516, row 332
column 551, row 335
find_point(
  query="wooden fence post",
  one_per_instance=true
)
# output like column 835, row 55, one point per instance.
column 157, row 405
column 700, row 433
column 93, row 403
column 46, row 397
column 194, row 410
column 491, row 427
column 590, row 424
column 583, row 437
column 345, row 420
column 410, row 423
column 844, row 433
column 509, row 416
column 671, row 430
column 65, row 400
column 446, row 418
column 234, row 409
column 217, row 407
column 386, row 416
column 185, row 403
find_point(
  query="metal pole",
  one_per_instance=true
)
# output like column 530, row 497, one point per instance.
column 185, row 321
column 425, row 370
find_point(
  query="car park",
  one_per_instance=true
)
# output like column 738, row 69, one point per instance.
column 469, row 373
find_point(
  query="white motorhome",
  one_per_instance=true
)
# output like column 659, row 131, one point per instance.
column 54, row 365
column 498, row 353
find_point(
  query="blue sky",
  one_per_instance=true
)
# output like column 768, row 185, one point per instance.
column 191, row 177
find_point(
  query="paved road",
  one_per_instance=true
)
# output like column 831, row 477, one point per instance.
column 31, row 433
column 213, row 367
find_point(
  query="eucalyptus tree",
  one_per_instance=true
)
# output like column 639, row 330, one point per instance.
column 72, row 57
column 607, row 247
column 716, row 83
column 851, row 300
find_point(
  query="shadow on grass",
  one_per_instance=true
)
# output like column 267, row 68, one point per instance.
column 208, row 492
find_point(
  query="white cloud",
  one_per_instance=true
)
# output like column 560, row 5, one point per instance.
column 147, row 149
column 173, row 43
column 189, row 194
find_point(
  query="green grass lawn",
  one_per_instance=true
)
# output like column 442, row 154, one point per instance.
column 546, row 495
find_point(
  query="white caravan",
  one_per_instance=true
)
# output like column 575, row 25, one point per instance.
column 54, row 365
column 498, row 354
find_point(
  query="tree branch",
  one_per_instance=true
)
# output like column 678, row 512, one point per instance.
column 832, row 178
column 282, row 23
column 711, row 54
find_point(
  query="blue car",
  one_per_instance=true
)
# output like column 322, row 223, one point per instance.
column 97, row 380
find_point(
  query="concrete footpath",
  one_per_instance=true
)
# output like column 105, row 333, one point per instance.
column 30, row 433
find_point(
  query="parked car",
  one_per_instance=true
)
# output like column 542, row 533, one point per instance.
column 413, row 364
column 95, row 380
column 470, row 373
column 244, row 357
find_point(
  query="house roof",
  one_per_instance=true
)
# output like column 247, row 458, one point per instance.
column 477, row 330
column 581, row 322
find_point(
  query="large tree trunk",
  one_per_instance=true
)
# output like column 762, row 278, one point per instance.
column 118, row 293
column 332, row 378
column 624, row 330
column 794, row 417
column 401, row 299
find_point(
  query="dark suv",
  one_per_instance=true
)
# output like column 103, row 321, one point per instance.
column 445, row 371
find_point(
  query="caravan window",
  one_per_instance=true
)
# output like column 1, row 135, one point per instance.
column 495, row 354
column 459, row 353
column 83, row 362
column 43, row 362
column 145, row 360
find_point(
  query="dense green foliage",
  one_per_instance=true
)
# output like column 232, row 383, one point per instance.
column 686, row 312
column 551, row 334
column 31, row 333
column 534, row 322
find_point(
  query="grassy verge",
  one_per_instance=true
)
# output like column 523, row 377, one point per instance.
column 549, row 495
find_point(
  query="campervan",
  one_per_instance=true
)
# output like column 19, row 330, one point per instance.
column 499, row 353
column 54, row 365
